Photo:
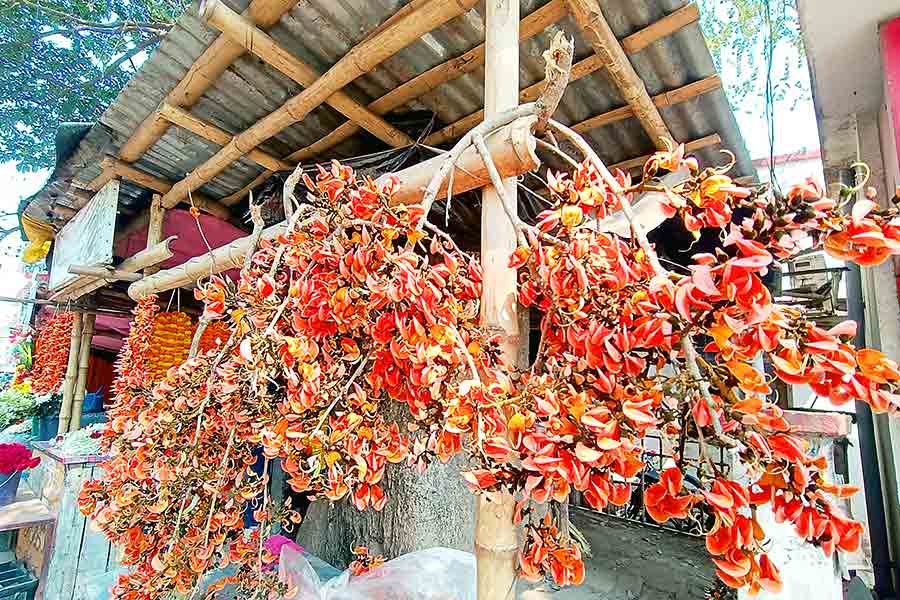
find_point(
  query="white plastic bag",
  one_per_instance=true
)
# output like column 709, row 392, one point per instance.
column 433, row 574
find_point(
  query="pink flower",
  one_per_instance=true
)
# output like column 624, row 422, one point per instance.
column 16, row 457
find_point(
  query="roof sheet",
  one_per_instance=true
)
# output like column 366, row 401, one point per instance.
column 320, row 32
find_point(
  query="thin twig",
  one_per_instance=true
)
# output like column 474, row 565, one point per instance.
column 342, row 394
column 499, row 187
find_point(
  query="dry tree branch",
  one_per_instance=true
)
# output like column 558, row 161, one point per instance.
column 557, row 69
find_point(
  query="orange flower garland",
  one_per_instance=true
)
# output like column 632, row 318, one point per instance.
column 51, row 354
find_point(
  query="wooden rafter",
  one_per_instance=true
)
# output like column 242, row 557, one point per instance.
column 634, row 42
column 202, row 75
column 112, row 168
column 598, row 33
column 685, row 92
column 529, row 26
column 360, row 59
column 264, row 47
column 210, row 132
column 692, row 146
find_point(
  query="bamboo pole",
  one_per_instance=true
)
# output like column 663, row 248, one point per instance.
column 598, row 33
column 84, row 361
column 359, row 60
column 512, row 149
column 210, row 132
column 122, row 169
column 107, row 273
column 155, row 228
column 202, row 75
column 65, row 411
column 495, row 534
column 143, row 259
column 264, row 47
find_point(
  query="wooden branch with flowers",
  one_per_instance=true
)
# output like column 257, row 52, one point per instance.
column 360, row 303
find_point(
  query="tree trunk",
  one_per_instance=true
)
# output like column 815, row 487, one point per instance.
column 423, row 511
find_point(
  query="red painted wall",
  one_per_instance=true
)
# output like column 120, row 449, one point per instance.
column 890, row 58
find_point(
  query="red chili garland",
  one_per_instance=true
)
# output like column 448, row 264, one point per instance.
column 51, row 354
column 357, row 305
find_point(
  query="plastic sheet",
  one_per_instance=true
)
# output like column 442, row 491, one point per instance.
column 433, row 574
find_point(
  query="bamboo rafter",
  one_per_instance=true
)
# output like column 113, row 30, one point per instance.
column 445, row 72
column 360, row 59
column 205, row 71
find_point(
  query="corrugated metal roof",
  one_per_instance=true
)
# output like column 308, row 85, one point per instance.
column 320, row 32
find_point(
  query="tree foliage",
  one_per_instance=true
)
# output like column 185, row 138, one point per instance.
column 66, row 60
column 738, row 32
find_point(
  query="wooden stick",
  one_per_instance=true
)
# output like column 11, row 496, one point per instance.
column 665, row 26
column 496, row 544
column 122, row 169
column 84, row 361
column 685, row 92
column 263, row 46
column 210, row 132
column 143, row 259
column 636, row 163
column 359, row 60
column 598, row 33
column 155, row 223
column 65, row 410
column 512, row 149
column 107, row 273
column 205, row 71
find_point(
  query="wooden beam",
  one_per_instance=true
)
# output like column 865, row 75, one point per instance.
column 511, row 148
column 245, row 191
column 598, row 33
column 636, row 163
column 155, row 221
column 685, row 92
column 668, row 25
column 107, row 273
column 359, row 60
column 634, row 42
column 263, row 46
column 210, row 132
column 440, row 74
column 152, row 182
column 202, row 75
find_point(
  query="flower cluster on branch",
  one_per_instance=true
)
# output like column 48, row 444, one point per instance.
column 361, row 303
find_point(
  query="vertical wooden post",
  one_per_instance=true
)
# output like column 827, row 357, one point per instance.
column 65, row 411
column 87, row 334
column 495, row 535
column 155, row 228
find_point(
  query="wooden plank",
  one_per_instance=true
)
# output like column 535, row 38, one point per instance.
column 94, row 552
column 69, row 532
column 686, row 92
column 87, row 239
column 447, row 71
column 360, row 59
column 205, row 71
column 210, row 132
column 636, row 163
column 598, row 33
column 668, row 25
column 263, row 46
